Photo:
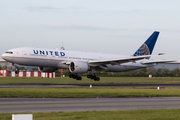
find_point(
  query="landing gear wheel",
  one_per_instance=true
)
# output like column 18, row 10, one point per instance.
column 97, row 78
column 88, row 76
column 79, row 78
column 75, row 76
column 17, row 71
column 71, row 75
column 93, row 77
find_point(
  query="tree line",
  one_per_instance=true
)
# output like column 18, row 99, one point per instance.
column 145, row 72
column 160, row 72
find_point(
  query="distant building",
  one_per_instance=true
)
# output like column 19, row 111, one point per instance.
column 4, row 63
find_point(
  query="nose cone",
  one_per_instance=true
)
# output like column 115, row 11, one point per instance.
column 6, row 57
column 3, row 56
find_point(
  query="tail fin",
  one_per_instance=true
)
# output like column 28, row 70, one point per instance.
column 148, row 46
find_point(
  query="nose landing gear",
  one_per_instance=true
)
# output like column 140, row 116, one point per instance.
column 16, row 71
column 16, row 68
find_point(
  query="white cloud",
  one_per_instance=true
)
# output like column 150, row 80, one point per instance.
column 41, row 8
column 77, row 27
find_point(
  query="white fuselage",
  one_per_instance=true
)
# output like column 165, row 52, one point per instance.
column 42, row 57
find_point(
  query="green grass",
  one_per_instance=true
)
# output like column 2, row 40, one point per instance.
column 104, row 80
column 160, row 114
column 87, row 92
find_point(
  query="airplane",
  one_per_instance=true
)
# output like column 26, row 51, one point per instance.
column 50, row 60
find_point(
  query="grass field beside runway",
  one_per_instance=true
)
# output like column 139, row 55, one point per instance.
column 160, row 114
column 104, row 80
column 87, row 92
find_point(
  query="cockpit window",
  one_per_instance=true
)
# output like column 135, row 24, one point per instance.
column 9, row 52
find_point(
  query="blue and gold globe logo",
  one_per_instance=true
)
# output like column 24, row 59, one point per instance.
column 143, row 50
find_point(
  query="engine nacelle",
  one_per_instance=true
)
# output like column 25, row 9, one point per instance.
column 78, row 67
column 47, row 69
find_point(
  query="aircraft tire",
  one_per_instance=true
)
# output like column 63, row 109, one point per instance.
column 95, row 78
column 17, row 72
column 78, row 78
column 98, row 78
column 70, row 75
column 88, row 76
column 92, row 78
column 74, row 77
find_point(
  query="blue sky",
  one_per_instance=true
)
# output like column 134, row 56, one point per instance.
column 107, row 26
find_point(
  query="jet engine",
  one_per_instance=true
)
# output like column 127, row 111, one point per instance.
column 47, row 69
column 78, row 67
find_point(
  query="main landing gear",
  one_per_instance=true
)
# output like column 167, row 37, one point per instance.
column 75, row 76
column 93, row 77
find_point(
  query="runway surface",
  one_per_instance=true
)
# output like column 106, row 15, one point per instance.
column 87, row 85
column 28, row 105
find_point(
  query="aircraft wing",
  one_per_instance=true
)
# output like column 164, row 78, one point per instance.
column 117, row 61
column 158, row 61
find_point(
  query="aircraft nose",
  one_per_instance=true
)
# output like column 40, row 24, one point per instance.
column 3, row 56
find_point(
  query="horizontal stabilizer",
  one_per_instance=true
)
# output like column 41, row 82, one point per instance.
column 159, row 61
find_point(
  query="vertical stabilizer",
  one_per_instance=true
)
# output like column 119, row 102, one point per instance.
column 148, row 46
